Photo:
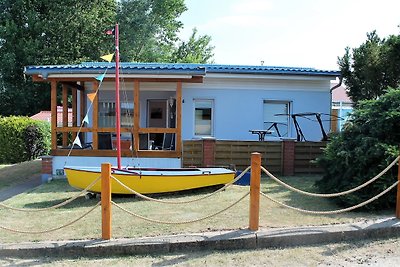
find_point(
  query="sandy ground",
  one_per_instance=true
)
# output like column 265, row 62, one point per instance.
column 363, row 253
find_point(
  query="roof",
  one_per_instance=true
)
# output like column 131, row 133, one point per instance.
column 173, row 69
column 340, row 95
column 46, row 116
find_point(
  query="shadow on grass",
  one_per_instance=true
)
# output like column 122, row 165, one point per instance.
column 62, row 186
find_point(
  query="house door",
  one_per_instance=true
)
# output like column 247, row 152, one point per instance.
column 157, row 118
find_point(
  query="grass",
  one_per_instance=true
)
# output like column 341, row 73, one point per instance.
column 18, row 173
column 125, row 226
column 358, row 253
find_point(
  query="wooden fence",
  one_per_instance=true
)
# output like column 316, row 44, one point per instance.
column 238, row 153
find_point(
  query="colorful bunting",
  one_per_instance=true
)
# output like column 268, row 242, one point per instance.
column 86, row 119
column 91, row 96
column 108, row 57
column 77, row 142
column 100, row 77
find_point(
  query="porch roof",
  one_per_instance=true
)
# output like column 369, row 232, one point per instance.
column 173, row 69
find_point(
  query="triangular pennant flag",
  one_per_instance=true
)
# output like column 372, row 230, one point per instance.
column 100, row 77
column 108, row 57
column 91, row 96
column 77, row 142
column 86, row 119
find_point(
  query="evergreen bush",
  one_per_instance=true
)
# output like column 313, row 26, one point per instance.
column 22, row 139
column 367, row 145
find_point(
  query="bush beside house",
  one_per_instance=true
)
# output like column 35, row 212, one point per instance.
column 369, row 142
column 23, row 139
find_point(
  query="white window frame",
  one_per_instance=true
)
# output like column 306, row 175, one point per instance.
column 287, row 118
column 197, row 100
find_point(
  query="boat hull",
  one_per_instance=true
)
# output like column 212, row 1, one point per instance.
column 150, row 181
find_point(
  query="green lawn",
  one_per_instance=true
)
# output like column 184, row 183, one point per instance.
column 124, row 225
column 18, row 173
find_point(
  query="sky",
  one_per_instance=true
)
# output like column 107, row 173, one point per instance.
column 302, row 33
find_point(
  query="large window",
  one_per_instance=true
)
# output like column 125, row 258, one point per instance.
column 277, row 117
column 203, row 117
column 107, row 114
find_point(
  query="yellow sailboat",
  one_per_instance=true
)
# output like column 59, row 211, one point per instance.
column 150, row 181
column 144, row 180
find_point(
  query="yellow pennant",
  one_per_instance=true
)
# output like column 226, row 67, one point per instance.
column 108, row 57
column 91, row 96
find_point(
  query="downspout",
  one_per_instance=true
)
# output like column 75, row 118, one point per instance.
column 331, row 90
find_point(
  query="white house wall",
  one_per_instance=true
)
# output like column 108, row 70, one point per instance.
column 238, row 102
column 238, row 105
column 59, row 162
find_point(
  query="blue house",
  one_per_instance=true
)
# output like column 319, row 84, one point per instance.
column 162, row 105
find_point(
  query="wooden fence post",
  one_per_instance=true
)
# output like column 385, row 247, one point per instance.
column 398, row 192
column 255, row 179
column 106, row 201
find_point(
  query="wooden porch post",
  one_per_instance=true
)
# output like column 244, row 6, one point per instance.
column 65, row 114
column 178, row 145
column 136, row 115
column 82, row 109
column 53, row 114
column 95, row 116
column 74, row 111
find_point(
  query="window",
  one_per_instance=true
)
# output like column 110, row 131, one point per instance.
column 107, row 114
column 276, row 117
column 203, row 116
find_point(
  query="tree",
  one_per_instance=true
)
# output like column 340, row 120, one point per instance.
column 372, row 67
column 149, row 29
column 195, row 50
column 368, row 143
column 40, row 32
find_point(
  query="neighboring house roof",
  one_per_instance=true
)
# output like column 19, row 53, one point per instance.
column 46, row 116
column 340, row 95
column 174, row 68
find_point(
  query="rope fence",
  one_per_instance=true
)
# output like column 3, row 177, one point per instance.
column 333, row 194
column 333, row 211
column 84, row 191
column 254, row 199
column 181, row 222
column 52, row 229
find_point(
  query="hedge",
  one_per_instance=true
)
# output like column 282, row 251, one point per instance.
column 23, row 139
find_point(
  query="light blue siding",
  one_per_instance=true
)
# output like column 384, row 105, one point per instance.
column 237, row 111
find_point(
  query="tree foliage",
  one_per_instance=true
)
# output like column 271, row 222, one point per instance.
column 368, row 143
column 372, row 67
column 148, row 28
column 195, row 50
column 41, row 32
column 23, row 139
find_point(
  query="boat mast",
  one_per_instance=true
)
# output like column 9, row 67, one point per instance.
column 117, row 101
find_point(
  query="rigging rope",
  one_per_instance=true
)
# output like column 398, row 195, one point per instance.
column 55, row 206
column 332, row 211
column 332, row 194
column 183, row 222
column 186, row 201
column 52, row 229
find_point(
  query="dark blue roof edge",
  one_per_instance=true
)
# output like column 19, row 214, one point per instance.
column 174, row 69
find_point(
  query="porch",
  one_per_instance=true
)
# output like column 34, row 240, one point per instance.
column 151, row 109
